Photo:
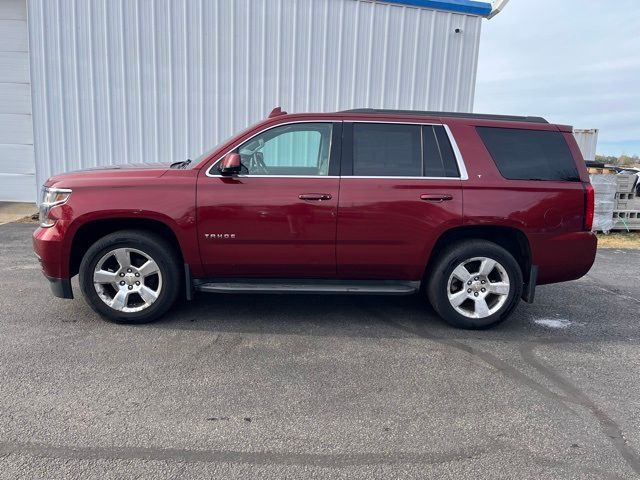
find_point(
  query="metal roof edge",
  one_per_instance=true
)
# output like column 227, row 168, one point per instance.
column 469, row 7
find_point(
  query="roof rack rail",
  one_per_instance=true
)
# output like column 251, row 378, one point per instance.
column 480, row 116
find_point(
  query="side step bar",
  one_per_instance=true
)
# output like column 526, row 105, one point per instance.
column 362, row 287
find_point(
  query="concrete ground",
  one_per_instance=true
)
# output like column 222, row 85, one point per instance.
column 320, row 387
column 12, row 211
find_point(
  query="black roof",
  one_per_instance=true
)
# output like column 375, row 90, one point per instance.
column 479, row 116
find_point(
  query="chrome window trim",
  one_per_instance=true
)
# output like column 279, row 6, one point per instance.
column 456, row 151
column 273, row 176
column 454, row 145
column 457, row 179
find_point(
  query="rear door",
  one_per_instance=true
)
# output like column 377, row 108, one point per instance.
column 278, row 217
column 400, row 189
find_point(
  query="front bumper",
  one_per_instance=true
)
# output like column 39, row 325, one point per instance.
column 48, row 247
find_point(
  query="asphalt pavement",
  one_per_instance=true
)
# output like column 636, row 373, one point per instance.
column 233, row 386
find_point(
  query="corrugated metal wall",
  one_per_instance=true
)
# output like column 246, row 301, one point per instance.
column 117, row 81
column 17, row 168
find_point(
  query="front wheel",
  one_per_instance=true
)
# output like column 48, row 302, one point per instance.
column 475, row 284
column 130, row 276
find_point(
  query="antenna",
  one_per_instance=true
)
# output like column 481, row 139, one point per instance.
column 276, row 112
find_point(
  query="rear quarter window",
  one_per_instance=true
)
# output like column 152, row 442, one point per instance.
column 530, row 154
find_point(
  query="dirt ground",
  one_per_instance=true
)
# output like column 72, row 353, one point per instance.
column 619, row 240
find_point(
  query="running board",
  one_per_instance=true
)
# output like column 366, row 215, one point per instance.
column 361, row 287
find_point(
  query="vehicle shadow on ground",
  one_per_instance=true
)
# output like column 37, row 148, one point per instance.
column 375, row 317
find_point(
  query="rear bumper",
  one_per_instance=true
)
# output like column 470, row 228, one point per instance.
column 563, row 257
column 60, row 287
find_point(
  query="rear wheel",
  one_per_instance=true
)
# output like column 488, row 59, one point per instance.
column 475, row 284
column 130, row 276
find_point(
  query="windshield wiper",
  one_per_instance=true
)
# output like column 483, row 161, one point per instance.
column 182, row 164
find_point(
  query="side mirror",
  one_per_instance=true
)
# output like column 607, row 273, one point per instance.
column 230, row 164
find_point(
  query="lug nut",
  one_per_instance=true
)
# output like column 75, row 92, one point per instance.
column 137, row 274
column 476, row 278
column 468, row 290
column 122, row 283
column 469, row 282
column 137, row 283
column 130, row 287
column 129, row 270
column 483, row 282
column 122, row 274
column 475, row 294
column 483, row 289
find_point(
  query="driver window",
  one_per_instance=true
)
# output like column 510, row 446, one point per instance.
column 296, row 149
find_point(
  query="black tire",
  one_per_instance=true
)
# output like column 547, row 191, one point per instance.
column 161, row 251
column 437, row 281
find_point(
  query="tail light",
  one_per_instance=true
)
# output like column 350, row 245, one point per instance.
column 589, row 206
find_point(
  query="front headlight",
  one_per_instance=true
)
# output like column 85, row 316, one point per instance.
column 51, row 197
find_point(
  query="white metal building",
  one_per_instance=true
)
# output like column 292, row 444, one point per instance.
column 122, row 81
column 17, row 167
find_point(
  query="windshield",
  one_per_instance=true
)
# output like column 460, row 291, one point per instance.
column 197, row 160
column 201, row 157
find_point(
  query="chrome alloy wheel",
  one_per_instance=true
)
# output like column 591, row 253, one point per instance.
column 478, row 287
column 127, row 280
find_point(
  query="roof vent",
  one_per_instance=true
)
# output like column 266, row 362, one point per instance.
column 276, row 112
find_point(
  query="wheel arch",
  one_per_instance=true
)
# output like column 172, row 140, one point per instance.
column 89, row 232
column 513, row 240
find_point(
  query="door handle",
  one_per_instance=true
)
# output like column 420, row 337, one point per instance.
column 436, row 197
column 318, row 197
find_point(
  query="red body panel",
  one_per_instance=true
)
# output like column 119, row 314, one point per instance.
column 275, row 233
column 166, row 196
column 370, row 228
column 386, row 231
column 550, row 214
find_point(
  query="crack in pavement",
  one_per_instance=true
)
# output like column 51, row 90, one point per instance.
column 574, row 395
column 231, row 456
column 608, row 426
column 486, row 357
column 590, row 280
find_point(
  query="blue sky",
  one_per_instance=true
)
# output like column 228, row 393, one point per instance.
column 575, row 62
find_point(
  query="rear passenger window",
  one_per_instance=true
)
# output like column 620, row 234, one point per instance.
column 398, row 150
column 381, row 149
column 530, row 154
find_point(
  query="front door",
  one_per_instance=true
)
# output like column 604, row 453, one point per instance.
column 277, row 218
column 400, row 190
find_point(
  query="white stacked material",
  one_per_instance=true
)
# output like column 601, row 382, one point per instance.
column 605, row 187
column 626, row 183
column 626, row 214
column 626, row 220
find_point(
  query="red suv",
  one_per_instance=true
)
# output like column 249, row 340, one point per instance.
column 471, row 211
